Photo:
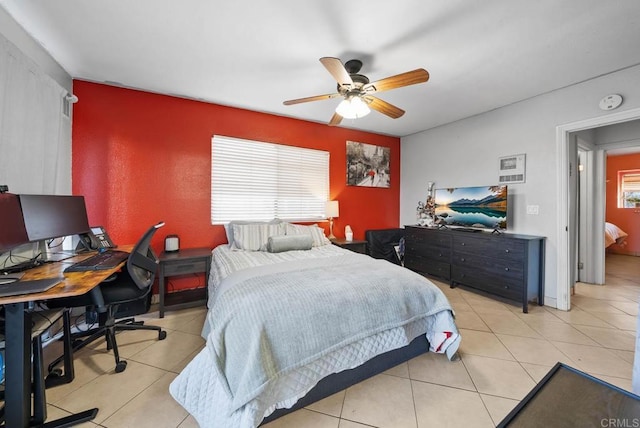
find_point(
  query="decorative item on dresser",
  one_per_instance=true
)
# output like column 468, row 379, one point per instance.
column 506, row 265
column 425, row 212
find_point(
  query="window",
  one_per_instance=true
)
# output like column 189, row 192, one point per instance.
column 253, row 180
column 628, row 188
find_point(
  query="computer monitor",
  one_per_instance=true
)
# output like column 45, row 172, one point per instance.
column 12, row 230
column 53, row 216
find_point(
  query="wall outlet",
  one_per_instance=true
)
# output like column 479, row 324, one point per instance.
column 533, row 209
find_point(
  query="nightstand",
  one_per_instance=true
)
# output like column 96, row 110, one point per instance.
column 183, row 262
column 357, row 246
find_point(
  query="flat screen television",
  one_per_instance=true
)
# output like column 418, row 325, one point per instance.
column 12, row 230
column 472, row 208
column 53, row 216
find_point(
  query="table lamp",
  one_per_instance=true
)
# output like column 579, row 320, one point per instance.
column 332, row 209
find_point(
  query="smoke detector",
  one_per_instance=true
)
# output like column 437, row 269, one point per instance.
column 610, row 102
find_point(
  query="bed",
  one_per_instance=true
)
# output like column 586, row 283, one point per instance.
column 613, row 235
column 268, row 345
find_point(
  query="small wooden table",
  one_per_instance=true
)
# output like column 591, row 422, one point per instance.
column 183, row 262
column 356, row 245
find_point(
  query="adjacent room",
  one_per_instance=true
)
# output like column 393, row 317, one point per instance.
column 319, row 214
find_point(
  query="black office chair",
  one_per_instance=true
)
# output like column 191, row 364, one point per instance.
column 381, row 243
column 130, row 286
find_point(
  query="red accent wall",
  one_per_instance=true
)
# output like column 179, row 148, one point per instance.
column 140, row 157
column 627, row 219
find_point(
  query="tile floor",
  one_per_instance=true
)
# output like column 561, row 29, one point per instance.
column 503, row 354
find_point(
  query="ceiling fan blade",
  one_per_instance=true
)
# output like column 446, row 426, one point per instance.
column 335, row 120
column 419, row 75
column 384, row 107
column 308, row 99
column 337, row 70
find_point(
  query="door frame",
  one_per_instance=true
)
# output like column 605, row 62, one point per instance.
column 564, row 221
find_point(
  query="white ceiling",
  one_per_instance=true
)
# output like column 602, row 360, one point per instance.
column 255, row 54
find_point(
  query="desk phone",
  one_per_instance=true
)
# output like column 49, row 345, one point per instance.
column 97, row 239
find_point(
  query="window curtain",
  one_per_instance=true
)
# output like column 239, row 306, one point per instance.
column 35, row 134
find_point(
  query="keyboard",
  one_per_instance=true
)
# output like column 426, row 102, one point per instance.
column 101, row 261
column 22, row 266
column 28, row 287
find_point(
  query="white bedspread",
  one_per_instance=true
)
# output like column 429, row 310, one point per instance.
column 613, row 234
column 204, row 390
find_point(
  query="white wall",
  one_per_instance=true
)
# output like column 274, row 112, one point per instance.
column 10, row 29
column 628, row 132
column 465, row 153
column 35, row 138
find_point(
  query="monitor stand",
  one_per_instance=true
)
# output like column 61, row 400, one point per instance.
column 47, row 255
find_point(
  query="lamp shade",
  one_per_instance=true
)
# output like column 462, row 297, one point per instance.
column 332, row 209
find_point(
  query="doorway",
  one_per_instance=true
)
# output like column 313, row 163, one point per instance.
column 567, row 224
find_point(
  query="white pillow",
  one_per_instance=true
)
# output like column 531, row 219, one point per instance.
column 254, row 236
column 280, row 243
column 316, row 232
column 228, row 228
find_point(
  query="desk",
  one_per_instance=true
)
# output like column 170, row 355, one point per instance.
column 18, row 337
column 185, row 261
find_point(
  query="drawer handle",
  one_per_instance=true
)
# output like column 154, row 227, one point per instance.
column 506, row 287
column 463, row 244
column 462, row 259
column 507, row 269
column 439, row 254
column 506, row 251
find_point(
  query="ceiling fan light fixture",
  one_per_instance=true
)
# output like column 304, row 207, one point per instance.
column 353, row 108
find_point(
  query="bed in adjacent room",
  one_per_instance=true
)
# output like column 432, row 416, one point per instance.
column 613, row 235
column 290, row 314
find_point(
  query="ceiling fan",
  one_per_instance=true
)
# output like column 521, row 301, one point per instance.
column 357, row 90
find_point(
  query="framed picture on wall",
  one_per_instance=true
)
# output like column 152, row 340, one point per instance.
column 368, row 165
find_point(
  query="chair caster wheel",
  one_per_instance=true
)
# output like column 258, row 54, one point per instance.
column 55, row 374
column 162, row 335
column 121, row 366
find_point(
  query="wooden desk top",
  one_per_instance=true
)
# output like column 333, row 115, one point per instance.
column 73, row 284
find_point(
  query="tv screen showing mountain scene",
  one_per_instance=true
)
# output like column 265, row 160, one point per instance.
column 482, row 207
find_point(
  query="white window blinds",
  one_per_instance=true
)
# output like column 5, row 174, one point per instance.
column 629, row 188
column 253, row 180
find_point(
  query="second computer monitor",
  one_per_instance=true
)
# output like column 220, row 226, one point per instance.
column 53, row 216
column 12, row 230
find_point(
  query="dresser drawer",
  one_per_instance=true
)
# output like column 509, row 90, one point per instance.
column 507, row 249
column 439, row 268
column 428, row 237
column 498, row 267
column 429, row 251
column 181, row 267
column 509, row 288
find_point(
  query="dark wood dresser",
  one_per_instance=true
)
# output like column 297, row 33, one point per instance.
column 505, row 265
